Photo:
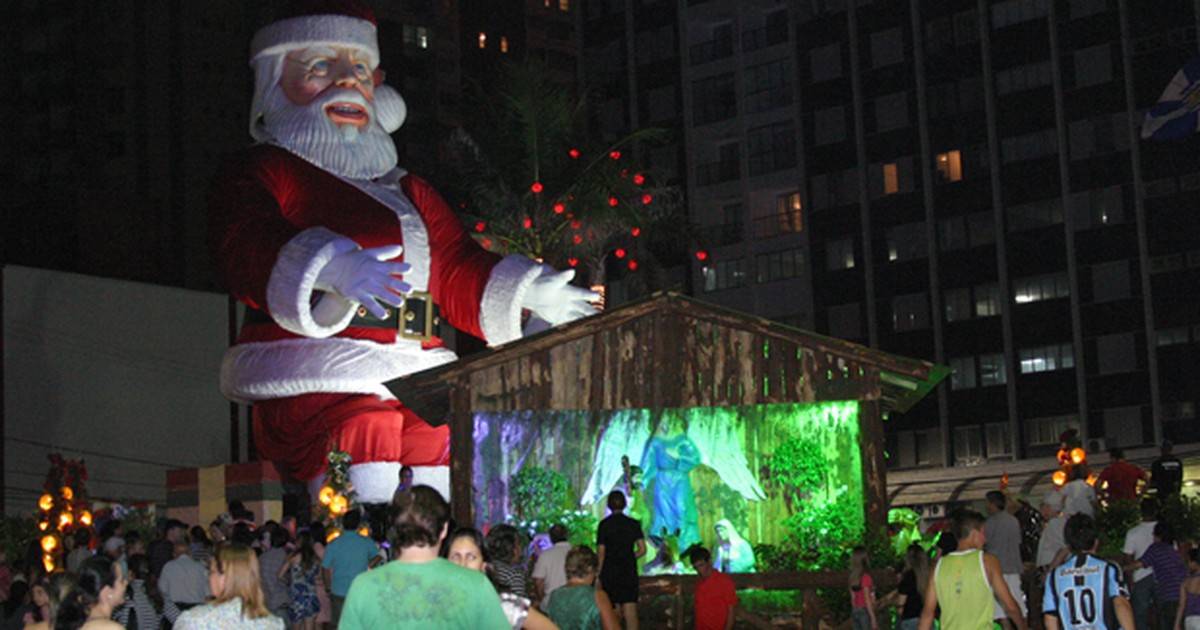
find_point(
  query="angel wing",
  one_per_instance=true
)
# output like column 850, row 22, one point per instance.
column 717, row 432
column 626, row 434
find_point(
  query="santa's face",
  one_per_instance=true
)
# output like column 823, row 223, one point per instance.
column 328, row 72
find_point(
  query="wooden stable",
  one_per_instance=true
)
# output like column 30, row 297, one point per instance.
column 670, row 351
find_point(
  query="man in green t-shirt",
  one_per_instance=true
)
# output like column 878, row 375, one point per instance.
column 418, row 589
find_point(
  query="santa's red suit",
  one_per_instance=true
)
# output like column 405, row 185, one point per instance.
column 316, row 381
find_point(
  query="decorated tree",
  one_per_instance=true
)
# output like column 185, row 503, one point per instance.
column 337, row 496
column 528, row 179
column 64, row 507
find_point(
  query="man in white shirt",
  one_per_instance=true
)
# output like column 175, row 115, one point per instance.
column 550, row 574
column 1141, row 591
column 183, row 580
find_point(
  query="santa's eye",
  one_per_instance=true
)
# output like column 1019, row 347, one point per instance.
column 362, row 71
column 319, row 67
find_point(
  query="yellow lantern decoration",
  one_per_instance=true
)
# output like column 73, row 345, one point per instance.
column 364, row 530
column 65, row 519
column 48, row 562
column 49, row 543
column 1060, row 477
column 67, row 493
column 85, row 518
column 325, row 496
column 332, row 534
column 1078, row 455
column 1091, row 480
column 338, row 504
column 43, row 526
column 46, row 502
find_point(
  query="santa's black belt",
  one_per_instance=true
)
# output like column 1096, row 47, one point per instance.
column 417, row 319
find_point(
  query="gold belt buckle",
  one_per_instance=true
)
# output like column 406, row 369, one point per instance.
column 416, row 316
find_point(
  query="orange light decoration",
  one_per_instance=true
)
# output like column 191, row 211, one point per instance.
column 1091, row 480
column 332, row 534
column 67, row 493
column 48, row 562
column 536, row 188
column 85, row 518
column 46, row 502
column 325, row 496
column 339, row 505
column 364, row 530
column 43, row 526
column 1078, row 455
column 49, row 543
column 65, row 519
column 1060, row 477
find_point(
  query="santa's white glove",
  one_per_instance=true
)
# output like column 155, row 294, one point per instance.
column 554, row 301
column 366, row 276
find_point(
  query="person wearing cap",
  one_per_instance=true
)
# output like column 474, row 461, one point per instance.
column 1166, row 473
column 324, row 237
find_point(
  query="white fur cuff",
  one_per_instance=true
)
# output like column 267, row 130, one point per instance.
column 500, row 311
column 375, row 482
column 290, row 288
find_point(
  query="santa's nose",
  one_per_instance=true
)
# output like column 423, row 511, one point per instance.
column 343, row 73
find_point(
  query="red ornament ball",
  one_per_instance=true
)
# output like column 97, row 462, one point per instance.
column 486, row 243
column 612, row 201
column 559, row 208
column 481, row 226
column 574, row 153
column 616, row 155
column 536, row 187
column 620, row 253
column 635, row 231
column 639, row 179
column 572, row 261
column 701, row 255
column 646, row 199
column 577, row 239
column 633, row 265
column 528, row 223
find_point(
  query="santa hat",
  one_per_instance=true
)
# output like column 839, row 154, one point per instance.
column 319, row 23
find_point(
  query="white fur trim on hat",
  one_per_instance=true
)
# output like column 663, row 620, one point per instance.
column 290, row 367
column 500, row 310
column 290, row 288
column 316, row 30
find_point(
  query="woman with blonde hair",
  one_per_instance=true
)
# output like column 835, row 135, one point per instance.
column 239, row 602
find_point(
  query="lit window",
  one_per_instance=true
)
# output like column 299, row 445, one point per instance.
column 564, row 5
column 788, row 210
column 1047, row 358
column 483, row 40
column 839, row 254
column 504, row 44
column 891, row 179
column 1036, row 288
column 949, row 166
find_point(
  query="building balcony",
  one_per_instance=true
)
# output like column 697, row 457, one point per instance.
column 712, row 50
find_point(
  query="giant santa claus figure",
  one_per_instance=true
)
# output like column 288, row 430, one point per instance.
column 330, row 245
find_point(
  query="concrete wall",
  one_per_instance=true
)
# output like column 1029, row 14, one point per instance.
column 121, row 374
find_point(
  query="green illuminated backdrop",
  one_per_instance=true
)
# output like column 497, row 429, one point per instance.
column 783, row 473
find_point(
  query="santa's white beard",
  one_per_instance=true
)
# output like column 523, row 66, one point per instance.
column 343, row 150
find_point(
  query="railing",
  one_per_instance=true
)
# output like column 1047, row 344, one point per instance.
column 712, row 50
column 677, row 588
column 764, row 37
column 718, row 235
column 717, row 172
column 777, row 224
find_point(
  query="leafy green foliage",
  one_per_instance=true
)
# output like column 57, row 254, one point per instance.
column 540, row 498
column 798, row 467
column 1113, row 521
column 1183, row 513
